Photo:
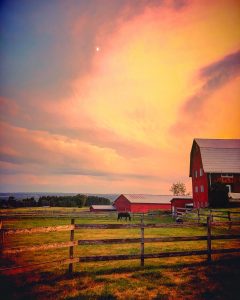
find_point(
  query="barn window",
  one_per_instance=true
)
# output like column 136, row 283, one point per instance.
column 196, row 189
column 201, row 172
column 202, row 188
column 195, row 173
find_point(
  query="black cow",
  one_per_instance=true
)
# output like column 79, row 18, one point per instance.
column 125, row 215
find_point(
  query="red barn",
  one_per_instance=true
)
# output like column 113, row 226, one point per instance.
column 214, row 160
column 142, row 203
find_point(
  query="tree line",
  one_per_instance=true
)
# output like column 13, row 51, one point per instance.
column 79, row 200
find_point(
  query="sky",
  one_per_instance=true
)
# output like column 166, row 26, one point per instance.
column 106, row 96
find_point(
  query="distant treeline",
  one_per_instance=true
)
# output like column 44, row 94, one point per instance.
column 79, row 200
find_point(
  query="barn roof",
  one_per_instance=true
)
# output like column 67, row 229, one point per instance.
column 181, row 198
column 218, row 155
column 105, row 207
column 151, row 199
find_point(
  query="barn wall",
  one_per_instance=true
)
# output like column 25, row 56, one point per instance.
column 145, row 207
column 122, row 204
column 234, row 181
column 200, row 197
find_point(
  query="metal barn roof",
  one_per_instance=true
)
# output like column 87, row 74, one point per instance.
column 105, row 207
column 152, row 199
column 219, row 143
column 220, row 155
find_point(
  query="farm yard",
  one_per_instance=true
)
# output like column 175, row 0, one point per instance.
column 187, row 277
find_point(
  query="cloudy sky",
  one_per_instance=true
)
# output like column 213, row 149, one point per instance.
column 106, row 96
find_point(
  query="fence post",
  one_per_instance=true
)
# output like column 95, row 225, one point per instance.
column 1, row 234
column 142, row 242
column 209, row 242
column 229, row 216
column 211, row 215
column 229, row 219
column 70, row 267
column 198, row 214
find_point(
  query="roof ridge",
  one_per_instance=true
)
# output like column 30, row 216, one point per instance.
column 147, row 194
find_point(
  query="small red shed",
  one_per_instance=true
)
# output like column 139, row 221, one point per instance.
column 180, row 202
column 142, row 203
column 99, row 208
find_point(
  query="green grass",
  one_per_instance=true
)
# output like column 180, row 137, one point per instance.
column 170, row 278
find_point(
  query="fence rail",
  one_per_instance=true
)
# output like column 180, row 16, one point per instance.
column 58, row 245
column 209, row 237
column 79, row 215
column 38, row 229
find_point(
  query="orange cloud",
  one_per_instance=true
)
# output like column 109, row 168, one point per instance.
column 111, row 130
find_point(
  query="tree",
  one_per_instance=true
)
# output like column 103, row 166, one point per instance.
column 29, row 202
column 12, row 202
column 80, row 200
column 179, row 189
column 95, row 200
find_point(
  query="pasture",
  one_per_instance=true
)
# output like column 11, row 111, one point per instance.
column 165, row 278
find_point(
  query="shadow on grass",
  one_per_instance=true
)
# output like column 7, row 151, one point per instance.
column 216, row 280
column 170, row 266
column 101, row 297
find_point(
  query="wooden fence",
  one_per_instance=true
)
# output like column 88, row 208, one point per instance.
column 57, row 214
column 209, row 237
column 79, row 214
column 197, row 214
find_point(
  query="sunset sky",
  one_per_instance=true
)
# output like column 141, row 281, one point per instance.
column 106, row 96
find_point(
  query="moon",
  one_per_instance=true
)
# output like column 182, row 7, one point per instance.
column 97, row 49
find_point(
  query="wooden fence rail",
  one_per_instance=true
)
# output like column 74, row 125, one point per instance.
column 58, row 245
column 79, row 215
column 38, row 229
column 209, row 237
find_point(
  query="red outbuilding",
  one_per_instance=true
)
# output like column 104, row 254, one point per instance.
column 100, row 208
column 214, row 160
column 142, row 203
column 180, row 202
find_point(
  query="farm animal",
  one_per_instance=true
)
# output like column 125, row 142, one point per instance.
column 125, row 215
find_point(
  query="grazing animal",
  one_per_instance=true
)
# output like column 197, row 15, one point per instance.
column 125, row 215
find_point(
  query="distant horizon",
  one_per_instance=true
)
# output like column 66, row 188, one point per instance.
column 111, row 196
column 56, row 193
column 82, row 193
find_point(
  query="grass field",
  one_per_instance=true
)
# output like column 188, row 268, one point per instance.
column 166, row 278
